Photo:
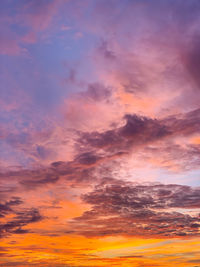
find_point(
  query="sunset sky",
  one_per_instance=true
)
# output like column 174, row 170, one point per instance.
column 100, row 133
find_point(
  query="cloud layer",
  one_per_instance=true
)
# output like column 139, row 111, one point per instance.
column 99, row 133
column 140, row 210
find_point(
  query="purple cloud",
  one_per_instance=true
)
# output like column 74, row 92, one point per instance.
column 129, row 209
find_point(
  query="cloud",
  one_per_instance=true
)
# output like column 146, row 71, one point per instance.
column 149, row 138
column 18, row 217
column 97, row 92
column 87, row 158
column 153, row 210
column 191, row 61
column 33, row 17
column 21, row 219
column 183, row 124
column 79, row 171
column 48, row 178
column 7, row 207
column 173, row 156
column 95, row 102
column 165, row 140
column 137, row 130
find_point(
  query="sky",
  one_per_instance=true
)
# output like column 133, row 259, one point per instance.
column 100, row 133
